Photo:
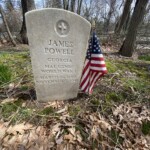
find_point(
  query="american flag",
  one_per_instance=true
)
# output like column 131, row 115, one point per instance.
column 94, row 66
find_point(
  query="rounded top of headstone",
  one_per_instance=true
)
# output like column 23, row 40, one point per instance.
column 57, row 10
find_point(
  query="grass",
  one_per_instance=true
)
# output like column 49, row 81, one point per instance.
column 47, row 111
column 5, row 74
column 14, row 65
column 146, row 128
column 125, row 82
column 74, row 110
column 137, row 84
column 111, row 67
column 8, row 108
column 144, row 57
column 112, row 96
column 114, row 135
column 17, row 64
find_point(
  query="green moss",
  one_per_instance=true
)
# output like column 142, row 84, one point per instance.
column 74, row 110
column 144, row 57
column 146, row 128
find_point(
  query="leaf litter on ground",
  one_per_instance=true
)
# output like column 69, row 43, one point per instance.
column 116, row 116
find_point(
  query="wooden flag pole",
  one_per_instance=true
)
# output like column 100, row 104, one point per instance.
column 93, row 24
column 92, row 29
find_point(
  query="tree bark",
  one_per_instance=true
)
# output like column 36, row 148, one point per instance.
column 73, row 2
column 79, row 7
column 56, row 4
column 30, row 5
column 47, row 3
column 111, row 10
column 66, row 4
column 10, row 6
column 27, row 5
column 6, row 26
column 127, row 48
column 125, row 14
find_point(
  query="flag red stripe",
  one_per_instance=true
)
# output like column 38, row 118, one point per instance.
column 97, row 58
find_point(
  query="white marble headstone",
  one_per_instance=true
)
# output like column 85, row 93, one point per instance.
column 58, row 42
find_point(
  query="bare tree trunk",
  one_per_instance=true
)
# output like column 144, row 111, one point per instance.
column 66, row 4
column 10, row 5
column 6, row 26
column 79, row 7
column 23, row 31
column 56, row 4
column 13, row 19
column 73, row 2
column 111, row 10
column 127, row 48
column 30, row 5
column 1, row 39
column 124, row 16
column 27, row 5
column 48, row 3
column 126, row 24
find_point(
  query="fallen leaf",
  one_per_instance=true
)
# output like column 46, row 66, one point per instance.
column 59, row 140
column 68, row 137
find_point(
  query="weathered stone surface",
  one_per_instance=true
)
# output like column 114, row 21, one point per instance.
column 58, row 41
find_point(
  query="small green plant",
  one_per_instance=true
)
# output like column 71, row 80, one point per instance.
column 95, row 102
column 74, row 110
column 114, row 96
column 5, row 74
column 137, row 84
column 144, row 57
column 22, row 115
column 8, row 109
column 114, row 135
column 24, row 87
column 146, row 128
column 47, row 111
column 79, row 127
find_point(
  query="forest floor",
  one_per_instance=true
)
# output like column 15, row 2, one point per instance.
column 115, row 117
